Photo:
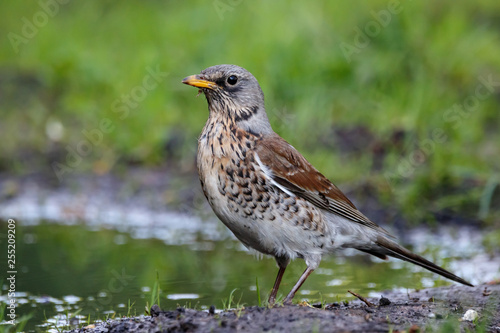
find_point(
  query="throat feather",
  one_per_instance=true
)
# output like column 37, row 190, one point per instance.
column 245, row 114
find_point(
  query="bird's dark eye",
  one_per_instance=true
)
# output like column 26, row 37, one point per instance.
column 232, row 80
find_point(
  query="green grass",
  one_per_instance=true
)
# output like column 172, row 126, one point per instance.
column 230, row 303
column 259, row 301
column 155, row 295
column 405, row 79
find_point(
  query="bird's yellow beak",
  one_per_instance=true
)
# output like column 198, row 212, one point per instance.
column 196, row 81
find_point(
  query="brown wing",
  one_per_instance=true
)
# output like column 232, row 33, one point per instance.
column 292, row 171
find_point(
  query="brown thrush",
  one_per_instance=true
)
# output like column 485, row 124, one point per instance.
column 268, row 194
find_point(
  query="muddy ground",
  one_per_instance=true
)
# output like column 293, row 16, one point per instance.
column 433, row 309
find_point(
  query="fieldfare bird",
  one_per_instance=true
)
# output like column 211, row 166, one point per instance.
column 268, row 194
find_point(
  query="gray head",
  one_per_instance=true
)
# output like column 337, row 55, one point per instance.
column 233, row 92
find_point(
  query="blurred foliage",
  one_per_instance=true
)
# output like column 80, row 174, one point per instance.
column 365, row 89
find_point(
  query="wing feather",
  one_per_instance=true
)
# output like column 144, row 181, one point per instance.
column 290, row 170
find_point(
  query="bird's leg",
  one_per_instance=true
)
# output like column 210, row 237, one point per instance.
column 303, row 277
column 274, row 292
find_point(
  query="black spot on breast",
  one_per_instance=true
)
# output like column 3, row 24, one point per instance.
column 230, row 173
column 221, row 191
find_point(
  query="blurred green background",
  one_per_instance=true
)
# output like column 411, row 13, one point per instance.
column 398, row 99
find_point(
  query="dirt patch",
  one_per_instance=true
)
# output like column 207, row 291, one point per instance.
column 430, row 308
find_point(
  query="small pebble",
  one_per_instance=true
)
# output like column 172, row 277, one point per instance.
column 431, row 315
column 155, row 310
column 211, row 310
column 470, row 315
column 384, row 301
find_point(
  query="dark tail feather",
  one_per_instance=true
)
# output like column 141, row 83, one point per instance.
column 394, row 250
